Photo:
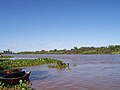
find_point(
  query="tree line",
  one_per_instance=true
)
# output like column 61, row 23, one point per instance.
column 111, row 49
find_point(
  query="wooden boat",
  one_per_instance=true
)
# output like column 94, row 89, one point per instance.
column 14, row 78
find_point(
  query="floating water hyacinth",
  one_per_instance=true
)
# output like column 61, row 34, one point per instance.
column 27, row 62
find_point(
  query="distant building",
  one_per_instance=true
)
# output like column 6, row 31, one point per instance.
column 7, row 52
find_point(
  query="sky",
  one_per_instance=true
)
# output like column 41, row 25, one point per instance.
column 32, row 25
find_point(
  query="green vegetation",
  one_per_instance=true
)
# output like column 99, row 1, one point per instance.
column 111, row 49
column 6, row 57
column 21, row 86
column 74, row 65
column 58, row 65
column 6, row 64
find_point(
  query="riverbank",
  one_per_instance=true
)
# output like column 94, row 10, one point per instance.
column 111, row 49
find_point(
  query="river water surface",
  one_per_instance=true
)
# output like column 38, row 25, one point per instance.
column 92, row 72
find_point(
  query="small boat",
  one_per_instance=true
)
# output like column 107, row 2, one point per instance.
column 14, row 78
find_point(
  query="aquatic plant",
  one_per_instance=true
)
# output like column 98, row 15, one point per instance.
column 23, row 85
column 59, row 65
column 74, row 65
column 6, row 64
column 6, row 57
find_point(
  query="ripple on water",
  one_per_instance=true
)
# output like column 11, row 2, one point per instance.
column 93, row 72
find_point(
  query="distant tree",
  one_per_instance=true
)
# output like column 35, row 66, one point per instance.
column 111, row 49
column 55, row 50
column 75, row 48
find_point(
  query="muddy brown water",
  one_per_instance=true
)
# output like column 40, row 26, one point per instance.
column 91, row 72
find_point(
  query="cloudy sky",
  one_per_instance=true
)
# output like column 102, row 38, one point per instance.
column 47, row 24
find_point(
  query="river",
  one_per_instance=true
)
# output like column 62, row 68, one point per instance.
column 87, row 72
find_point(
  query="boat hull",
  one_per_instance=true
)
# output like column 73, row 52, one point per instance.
column 15, row 80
